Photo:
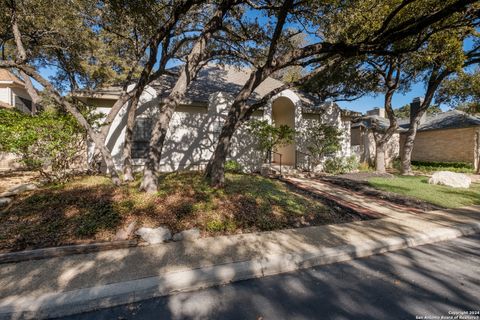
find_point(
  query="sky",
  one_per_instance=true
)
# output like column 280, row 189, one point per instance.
column 370, row 102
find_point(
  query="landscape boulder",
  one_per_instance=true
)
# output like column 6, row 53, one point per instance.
column 154, row 235
column 125, row 233
column 187, row 235
column 450, row 179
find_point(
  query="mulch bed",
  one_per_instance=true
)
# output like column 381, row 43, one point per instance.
column 358, row 182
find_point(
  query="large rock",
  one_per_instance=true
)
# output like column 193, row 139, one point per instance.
column 18, row 189
column 125, row 233
column 187, row 235
column 451, row 179
column 154, row 235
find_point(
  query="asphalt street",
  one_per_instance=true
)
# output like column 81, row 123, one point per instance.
column 425, row 282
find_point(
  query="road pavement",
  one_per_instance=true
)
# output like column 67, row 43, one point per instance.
column 424, row 282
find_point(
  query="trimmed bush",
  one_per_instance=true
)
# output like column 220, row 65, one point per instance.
column 233, row 166
column 339, row 165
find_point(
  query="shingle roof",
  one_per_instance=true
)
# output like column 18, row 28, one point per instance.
column 7, row 76
column 453, row 119
column 229, row 79
column 369, row 121
column 211, row 79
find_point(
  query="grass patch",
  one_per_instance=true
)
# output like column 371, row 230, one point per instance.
column 92, row 209
column 418, row 187
column 427, row 167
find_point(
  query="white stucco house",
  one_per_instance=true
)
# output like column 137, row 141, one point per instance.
column 13, row 93
column 197, row 122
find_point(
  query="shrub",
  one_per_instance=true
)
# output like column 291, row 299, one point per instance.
column 49, row 142
column 321, row 140
column 431, row 166
column 437, row 164
column 365, row 167
column 233, row 166
column 339, row 165
column 270, row 136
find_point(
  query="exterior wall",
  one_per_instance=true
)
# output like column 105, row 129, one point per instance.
column 356, row 136
column 20, row 103
column 191, row 137
column 363, row 144
column 194, row 130
column 451, row 145
column 99, row 103
column 6, row 95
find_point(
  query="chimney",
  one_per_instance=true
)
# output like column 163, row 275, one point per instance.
column 415, row 108
column 377, row 112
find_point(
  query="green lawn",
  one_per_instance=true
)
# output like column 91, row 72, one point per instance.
column 418, row 187
column 90, row 208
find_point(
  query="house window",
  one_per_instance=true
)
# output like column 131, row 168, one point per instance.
column 142, row 132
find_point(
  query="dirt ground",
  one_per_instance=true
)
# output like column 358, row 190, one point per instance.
column 9, row 179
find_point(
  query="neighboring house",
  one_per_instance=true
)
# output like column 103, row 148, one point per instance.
column 452, row 136
column 13, row 93
column 363, row 140
column 197, row 122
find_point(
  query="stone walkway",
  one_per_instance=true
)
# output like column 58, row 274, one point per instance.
column 82, row 282
column 365, row 205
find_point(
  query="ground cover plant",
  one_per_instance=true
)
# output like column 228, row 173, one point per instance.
column 91, row 208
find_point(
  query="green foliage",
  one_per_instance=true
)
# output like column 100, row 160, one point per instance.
column 339, row 165
column 49, row 142
column 216, row 225
column 418, row 187
column 233, row 166
column 432, row 166
column 404, row 112
column 365, row 167
column 270, row 136
column 462, row 91
column 428, row 167
column 346, row 80
column 321, row 140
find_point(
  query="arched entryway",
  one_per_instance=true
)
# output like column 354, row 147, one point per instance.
column 283, row 113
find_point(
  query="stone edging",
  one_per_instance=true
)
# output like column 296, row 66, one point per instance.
column 44, row 253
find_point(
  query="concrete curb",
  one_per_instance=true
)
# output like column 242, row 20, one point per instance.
column 58, row 304
column 46, row 253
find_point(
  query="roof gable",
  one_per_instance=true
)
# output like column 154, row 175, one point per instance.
column 8, row 77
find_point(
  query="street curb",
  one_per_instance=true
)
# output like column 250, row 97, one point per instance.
column 45, row 253
column 57, row 304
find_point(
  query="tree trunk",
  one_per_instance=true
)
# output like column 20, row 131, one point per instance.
column 380, row 155
column 193, row 64
column 149, row 182
column 478, row 153
column 408, row 149
column 215, row 171
column 127, row 146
